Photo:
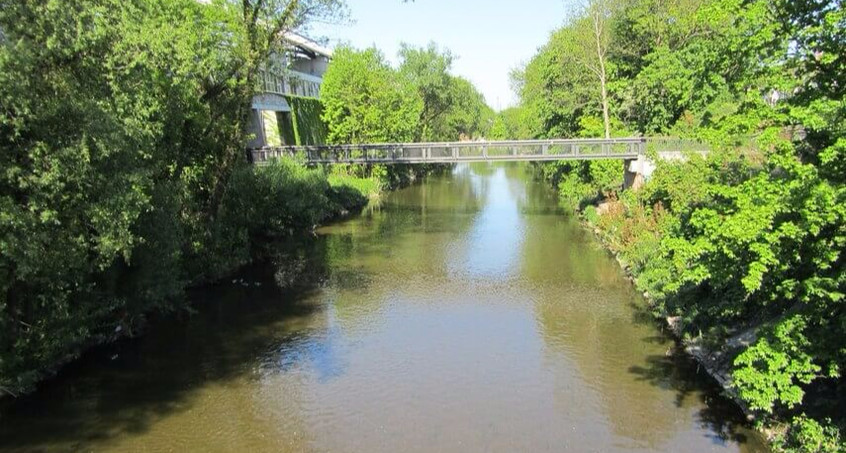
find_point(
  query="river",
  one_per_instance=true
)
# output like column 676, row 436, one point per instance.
column 463, row 314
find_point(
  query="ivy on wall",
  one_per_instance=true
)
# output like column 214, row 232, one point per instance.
column 308, row 128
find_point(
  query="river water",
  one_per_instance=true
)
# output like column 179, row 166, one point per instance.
column 463, row 314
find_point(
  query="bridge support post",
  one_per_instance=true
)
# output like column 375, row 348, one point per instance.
column 633, row 173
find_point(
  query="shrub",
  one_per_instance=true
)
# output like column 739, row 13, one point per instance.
column 806, row 435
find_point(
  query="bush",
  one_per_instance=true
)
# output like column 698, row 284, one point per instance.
column 368, row 187
column 806, row 435
column 581, row 183
column 283, row 197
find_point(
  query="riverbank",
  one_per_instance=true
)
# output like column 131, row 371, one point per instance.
column 276, row 202
column 719, row 354
column 742, row 255
column 716, row 362
column 264, row 205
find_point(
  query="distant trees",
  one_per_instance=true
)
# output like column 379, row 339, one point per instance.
column 426, row 69
column 468, row 117
column 452, row 107
column 366, row 100
column 508, row 125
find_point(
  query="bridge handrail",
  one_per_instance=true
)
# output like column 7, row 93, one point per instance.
column 462, row 144
column 485, row 150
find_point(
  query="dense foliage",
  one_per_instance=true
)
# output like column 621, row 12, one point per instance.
column 122, row 165
column 745, row 246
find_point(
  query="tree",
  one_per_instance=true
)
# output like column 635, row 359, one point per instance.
column 452, row 106
column 508, row 125
column 427, row 70
column 262, row 24
column 367, row 101
column 750, row 239
column 468, row 116
column 555, row 90
column 121, row 123
column 589, row 47
column 642, row 27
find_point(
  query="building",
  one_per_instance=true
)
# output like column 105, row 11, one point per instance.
column 289, row 82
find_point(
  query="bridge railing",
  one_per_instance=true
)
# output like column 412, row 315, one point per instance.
column 675, row 145
column 617, row 148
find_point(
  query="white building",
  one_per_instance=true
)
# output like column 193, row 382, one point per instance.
column 297, row 72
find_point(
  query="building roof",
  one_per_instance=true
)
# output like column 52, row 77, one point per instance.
column 306, row 44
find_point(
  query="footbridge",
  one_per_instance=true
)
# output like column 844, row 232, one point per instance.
column 633, row 152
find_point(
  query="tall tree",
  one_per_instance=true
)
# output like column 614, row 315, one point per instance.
column 468, row 116
column 428, row 70
column 264, row 24
column 590, row 46
column 555, row 90
column 366, row 101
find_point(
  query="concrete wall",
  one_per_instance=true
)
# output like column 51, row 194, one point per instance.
column 316, row 67
column 638, row 171
column 271, row 101
column 255, row 129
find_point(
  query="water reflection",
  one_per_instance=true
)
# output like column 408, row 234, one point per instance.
column 490, row 248
column 463, row 314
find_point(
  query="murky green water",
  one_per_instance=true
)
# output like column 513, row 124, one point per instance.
column 466, row 314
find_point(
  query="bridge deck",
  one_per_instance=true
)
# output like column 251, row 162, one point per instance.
column 476, row 151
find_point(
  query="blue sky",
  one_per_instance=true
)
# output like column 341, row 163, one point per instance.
column 489, row 38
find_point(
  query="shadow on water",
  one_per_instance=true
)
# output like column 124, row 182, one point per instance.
column 677, row 371
column 127, row 387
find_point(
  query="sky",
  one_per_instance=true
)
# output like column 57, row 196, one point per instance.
column 488, row 37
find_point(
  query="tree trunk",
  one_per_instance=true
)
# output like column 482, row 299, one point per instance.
column 605, row 118
column 598, row 29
